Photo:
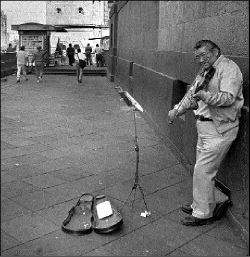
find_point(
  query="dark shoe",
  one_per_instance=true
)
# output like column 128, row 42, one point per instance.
column 104, row 221
column 18, row 81
column 221, row 209
column 79, row 219
column 26, row 79
column 187, row 209
column 193, row 221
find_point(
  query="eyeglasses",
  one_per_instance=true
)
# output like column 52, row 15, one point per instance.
column 204, row 56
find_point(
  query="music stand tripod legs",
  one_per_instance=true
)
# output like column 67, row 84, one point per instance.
column 136, row 181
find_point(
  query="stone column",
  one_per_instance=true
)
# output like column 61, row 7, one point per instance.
column 113, row 39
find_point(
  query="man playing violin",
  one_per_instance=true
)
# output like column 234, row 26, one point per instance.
column 217, row 108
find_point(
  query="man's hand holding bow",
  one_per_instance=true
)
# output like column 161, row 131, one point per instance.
column 201, row 95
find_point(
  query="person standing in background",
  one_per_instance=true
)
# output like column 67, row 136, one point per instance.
column 70, row 53
column 88, row 51
column 10, row 49
column 38, row 58
column 22, row 59
column 99, row 57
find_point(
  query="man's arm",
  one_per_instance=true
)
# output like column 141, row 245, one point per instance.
column 185, row 104
column 230, row 84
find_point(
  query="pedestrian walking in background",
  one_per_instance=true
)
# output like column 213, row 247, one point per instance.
column 80, row 60
column 22, row 60
column 38, row 58
column 99, row 57
column 10, row 49
column 217, row 110
column 70, row 53
column 88, row 51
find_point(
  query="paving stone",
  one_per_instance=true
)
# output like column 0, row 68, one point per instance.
column 23, row 171
column 103, row 163
column 5, row 145
column 62, row 193
column 102, row 251
column 59, row 243
column 35, row 201
column 57, row 213
column 71, row 174
column 161, row 179
column 12, row 122
column 23, row 150
column 16, row 188
column 122, row 190
column 44, row 180
column 178, row 194
column 7, row 242
column 19, row 142
column 11, row 210
column 5, row 178
column 28, row 227
column 44, row 139
column 170, row 233
column 56, row 164
column 226, row 233
column 138, row 243
column 115, row 176
column 23, row 159
column 178, row 252
column 88, row 184
column 21, row 133
column 53, row 154
column 205, row 245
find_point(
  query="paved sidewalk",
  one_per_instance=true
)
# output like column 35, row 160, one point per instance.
column 60, row 139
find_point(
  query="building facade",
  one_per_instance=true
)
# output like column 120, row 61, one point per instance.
column 19, row 12
column 76, row 12
column 66, row 13
column 74, row 15
column 4, row 33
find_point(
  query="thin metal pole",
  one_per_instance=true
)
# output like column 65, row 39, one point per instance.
column 136, row 182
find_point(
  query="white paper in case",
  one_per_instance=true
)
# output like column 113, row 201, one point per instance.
column 104, row 209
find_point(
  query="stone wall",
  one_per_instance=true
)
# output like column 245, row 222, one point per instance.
column 155, row 63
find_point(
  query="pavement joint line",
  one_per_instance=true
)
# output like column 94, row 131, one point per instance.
column 162, row 188
column 125, row 234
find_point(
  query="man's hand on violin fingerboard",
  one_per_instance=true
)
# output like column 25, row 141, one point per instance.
column 172, row 114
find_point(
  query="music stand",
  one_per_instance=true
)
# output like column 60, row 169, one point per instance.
column 135, row 106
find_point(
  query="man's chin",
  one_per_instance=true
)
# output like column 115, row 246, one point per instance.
column 206, row 66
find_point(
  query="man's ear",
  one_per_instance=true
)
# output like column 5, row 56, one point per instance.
column 216, row 52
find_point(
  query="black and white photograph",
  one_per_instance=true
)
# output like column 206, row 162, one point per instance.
column 124, row 128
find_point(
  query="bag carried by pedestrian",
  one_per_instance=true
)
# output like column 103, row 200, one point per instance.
column 82, row 63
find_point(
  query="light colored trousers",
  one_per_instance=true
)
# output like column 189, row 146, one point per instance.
column 39, row 70
column 21, row 67
column 210, row 151
column 79, row 72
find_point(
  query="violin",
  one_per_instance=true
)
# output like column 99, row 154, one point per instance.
column 203, row 83
column 200, row 83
